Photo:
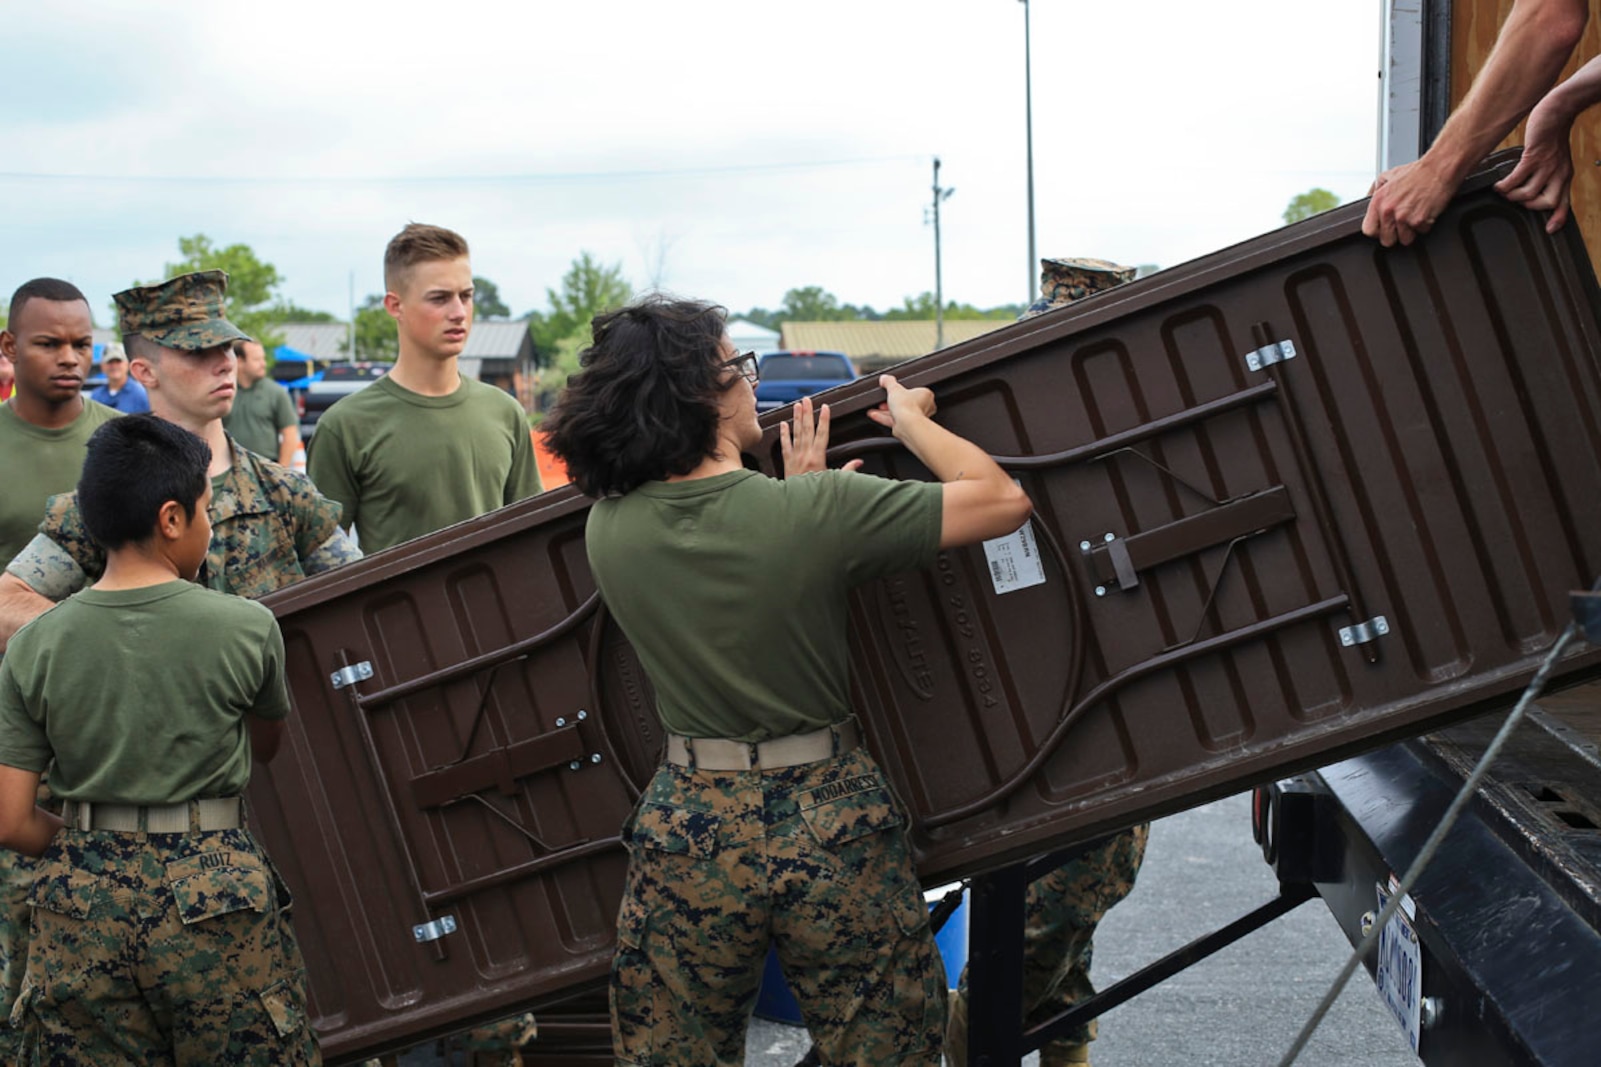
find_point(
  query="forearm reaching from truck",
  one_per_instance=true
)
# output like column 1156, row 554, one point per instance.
column 1544, row 176
column 1536, row 40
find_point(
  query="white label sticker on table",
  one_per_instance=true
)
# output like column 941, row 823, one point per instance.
column 1015, row 561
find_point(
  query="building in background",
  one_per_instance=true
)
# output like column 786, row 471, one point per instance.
column 746, row 336
column 877, row 346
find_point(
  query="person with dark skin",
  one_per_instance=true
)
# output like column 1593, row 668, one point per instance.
column 47, row 420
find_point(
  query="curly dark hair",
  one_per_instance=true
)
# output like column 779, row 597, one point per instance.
column 645, row 404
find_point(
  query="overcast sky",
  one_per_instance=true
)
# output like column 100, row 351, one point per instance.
column 722, row 150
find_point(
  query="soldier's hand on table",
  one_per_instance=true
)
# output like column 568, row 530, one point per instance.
column 1544, row 175
column 902, row 403
column 805, row 447
column 1406, row 202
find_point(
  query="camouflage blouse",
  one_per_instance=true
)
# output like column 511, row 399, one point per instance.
column 269, row 528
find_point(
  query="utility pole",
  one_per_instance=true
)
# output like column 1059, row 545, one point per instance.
column 352, row 332
column 1028, row 120
column 939, row 285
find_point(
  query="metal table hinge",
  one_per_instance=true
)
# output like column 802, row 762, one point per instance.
column 1268, row 355
column 1363, row 632
column 445, row 924
column 356, row 672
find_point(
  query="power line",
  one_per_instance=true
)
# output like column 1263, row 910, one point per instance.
column 531, row 178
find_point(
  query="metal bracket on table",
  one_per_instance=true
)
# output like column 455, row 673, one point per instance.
column 1363, row 632
column 433, row 931
column 356, row 672
column 1268, row 355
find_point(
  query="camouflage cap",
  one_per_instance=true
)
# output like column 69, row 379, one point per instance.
column 1062, row 281
column 185, row 313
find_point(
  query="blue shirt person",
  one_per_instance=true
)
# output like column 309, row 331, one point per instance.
column 120, row 391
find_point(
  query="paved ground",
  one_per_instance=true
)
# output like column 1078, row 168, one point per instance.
column 1239, row 1008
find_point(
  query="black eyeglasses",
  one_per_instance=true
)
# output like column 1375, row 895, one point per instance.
column 746, row 365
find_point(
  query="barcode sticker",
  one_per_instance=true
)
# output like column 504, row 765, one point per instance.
column 1015, row 561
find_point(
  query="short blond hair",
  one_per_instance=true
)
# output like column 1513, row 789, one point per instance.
column 419, row 243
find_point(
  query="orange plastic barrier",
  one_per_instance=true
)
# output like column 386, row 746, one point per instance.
column 552, row 471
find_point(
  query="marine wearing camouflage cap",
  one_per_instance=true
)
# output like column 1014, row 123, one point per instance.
column 1062, row 281
column 186, row 313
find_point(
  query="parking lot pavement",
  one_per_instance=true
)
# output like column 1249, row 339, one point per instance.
column 1239, row 1008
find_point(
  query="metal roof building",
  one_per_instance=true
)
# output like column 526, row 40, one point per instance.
column 322, row 341
column 872, row 346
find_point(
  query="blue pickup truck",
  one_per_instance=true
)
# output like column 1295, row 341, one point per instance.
column 788, row 376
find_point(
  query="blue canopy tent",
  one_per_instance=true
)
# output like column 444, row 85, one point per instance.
column 294, row 369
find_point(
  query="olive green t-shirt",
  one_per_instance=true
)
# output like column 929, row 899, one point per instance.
column 139, row 696
column 733, row 589
column 39, row 463
column 259, row 412
column 403, row 464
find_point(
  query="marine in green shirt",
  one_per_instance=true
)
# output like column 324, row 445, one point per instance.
column 263, row 418
column 272, row 526
column 403, row 464
column 743, row 542
column 423, row 447
column 46, row 423
column 768, row 824
column 134, row 731
column 188, row 921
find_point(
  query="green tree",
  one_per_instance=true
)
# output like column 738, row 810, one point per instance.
column 487, row 303
column 587, row 289
column 813, row 303
column 1312, row 202
column 377, row 336
column 770, row 320
column 563, row 364
column 809, row 304
column 252, row 284
column 921, row 307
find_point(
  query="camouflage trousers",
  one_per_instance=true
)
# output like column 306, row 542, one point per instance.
column 812, row 860
column 1062, row 911
column 161, row 949
column 16, row 878
column 496, row 1044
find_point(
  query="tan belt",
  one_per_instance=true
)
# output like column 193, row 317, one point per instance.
column 208, row 813
column 723, row 754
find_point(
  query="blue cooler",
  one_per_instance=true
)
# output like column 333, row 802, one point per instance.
column 776, row 1003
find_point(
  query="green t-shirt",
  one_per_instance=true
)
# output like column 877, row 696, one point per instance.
column 139, row 696
column 403, row 464
column 259, row 412
column 733, row 589
column 39, row 463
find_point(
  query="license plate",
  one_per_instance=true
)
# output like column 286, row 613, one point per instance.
column 1399, row 974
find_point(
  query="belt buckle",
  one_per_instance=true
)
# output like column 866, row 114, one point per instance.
column 754, row 754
